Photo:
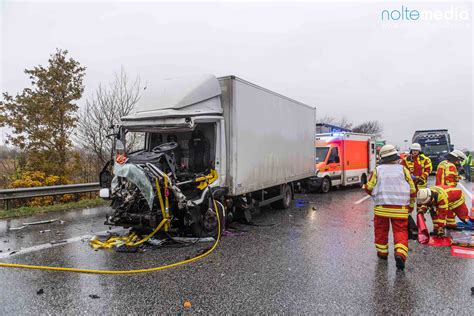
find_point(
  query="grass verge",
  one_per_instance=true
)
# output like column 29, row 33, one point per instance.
column 33, row 210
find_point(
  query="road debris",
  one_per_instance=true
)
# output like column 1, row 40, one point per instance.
column 93, row 296
column 17, row 228
column 49, row 221
column 40, row 291
column 187, row 304
column 193, row 239
column 45, row 231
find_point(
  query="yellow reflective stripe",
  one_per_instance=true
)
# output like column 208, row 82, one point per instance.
column 380, row 246
column 391, row 215
column 401, row 246
column 402, row 251
column 382, row 251
column 372, row 180
column 400, row 209
column 456, row 204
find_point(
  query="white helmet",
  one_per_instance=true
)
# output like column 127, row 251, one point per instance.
column 389, row 153
column 423, row 196
column 458, row 154
column 415, row 146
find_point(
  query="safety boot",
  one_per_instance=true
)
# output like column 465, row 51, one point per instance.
column 400, row 263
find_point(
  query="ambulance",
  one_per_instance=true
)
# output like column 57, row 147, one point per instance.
column 343, row 159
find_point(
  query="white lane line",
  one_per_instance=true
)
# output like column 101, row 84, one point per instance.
column 363, row 199
column 50, row 245
column 469, row 193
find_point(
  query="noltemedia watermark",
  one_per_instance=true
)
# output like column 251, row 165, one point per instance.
column 404, row 13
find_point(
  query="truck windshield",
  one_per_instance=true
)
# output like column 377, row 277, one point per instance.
column 435, row 149
column 321, row 153
column 195, row 149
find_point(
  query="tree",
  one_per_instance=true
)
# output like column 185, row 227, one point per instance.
column 104, row 110
column 342, row 122
column 369, row 127
column 42, row 117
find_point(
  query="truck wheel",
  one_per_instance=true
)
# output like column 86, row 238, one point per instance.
column 325, row 185
column 363, row 179
column 207, row 226
column 285, row 202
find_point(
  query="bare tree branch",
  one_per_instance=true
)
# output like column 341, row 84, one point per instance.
column 105, row 109
column 369, row 127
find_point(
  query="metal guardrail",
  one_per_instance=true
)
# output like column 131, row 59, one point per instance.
column 21, row 193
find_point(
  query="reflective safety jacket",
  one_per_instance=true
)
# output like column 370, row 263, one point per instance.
column 440, row 206
column 420, row 166
column 455, row 197
column 448, row 198
column 394, row 211
column 468, row 161
column 447, row 174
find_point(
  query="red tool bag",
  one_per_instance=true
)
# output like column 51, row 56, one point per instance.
column 423, row 234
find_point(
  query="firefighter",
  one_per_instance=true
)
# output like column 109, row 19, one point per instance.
column 447, row 172
column 394, row 193
column 444, row 203
column 467, row 165
column 419, row 166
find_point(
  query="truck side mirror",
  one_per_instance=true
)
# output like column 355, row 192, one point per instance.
column 105, row 179
column 105, row 176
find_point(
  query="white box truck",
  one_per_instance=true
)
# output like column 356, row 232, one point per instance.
column 252, row 143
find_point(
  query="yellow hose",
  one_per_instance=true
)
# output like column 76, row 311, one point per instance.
column 95, row 271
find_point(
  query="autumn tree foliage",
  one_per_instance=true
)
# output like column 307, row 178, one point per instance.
column 43, row 116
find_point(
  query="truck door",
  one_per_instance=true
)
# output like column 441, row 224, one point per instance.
column 334, row 168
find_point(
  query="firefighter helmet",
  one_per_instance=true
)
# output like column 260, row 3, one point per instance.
column 389, row 153
column 423, row 196
column 415, row 146
column 459, row 155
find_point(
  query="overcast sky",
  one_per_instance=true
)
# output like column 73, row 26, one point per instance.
column 338, row 56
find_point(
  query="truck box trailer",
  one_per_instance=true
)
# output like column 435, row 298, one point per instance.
column 258, row 142
column 343, row 159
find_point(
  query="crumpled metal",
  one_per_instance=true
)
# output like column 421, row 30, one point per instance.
column 137, row 176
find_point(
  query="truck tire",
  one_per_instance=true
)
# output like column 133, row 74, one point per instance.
column 285, row 202
column 325, row 185
column 207, row 225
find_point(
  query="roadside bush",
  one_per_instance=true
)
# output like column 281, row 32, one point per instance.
column 30, row 179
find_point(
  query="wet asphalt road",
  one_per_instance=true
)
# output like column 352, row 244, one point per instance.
column 317, row 258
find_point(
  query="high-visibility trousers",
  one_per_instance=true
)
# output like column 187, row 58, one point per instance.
column 439, row 219
column 400, row 235
column 462, row 212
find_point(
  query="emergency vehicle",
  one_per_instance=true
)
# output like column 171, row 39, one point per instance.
column 343, row 159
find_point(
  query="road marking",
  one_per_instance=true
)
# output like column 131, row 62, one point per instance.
column 465, row 190
column 51, row 245
column 363, row 199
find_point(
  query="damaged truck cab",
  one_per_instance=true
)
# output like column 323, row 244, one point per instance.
column 202, row 134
